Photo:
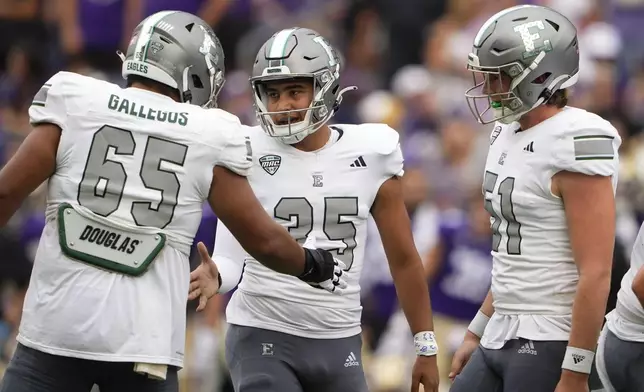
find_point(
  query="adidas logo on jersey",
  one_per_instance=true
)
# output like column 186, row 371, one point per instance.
column 359, row 162
column 529, row 147
column 351, row 360
column 527, row 348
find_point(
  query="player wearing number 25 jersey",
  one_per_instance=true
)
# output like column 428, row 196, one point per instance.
column 128, row 171
column 321, row 183
column 549, row 186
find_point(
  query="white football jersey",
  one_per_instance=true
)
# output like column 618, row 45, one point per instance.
column 534, row 276
column 131, row 158
column 626, row 321
column 323, row 198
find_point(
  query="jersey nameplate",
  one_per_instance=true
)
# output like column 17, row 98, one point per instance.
column 112, row 248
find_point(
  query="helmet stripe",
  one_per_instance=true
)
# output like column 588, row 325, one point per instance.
column 278, row 48
column 143, row 42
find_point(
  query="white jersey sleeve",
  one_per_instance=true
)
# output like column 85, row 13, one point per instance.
column 233, row 143
column 229, row 257
column 49, row 104
column 385, row 142
column 228, row 146
column 590, row 151
column 388, row 145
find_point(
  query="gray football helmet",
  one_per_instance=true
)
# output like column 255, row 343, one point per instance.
column 535, row 48
column 179, row 50
column 298, row 53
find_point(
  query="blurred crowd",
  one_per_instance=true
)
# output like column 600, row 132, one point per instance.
column 408, row 59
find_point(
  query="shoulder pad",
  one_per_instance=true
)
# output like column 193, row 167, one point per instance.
column 62, row 93
column 588, row 145
column 380, row 138
column 231, row 139
column 49, row 103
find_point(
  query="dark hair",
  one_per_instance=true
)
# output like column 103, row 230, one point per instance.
column 153, row 84
column 559, row 98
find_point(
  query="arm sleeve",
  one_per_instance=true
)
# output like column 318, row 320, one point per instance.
column 588, row 151
column 48, row 105
column 229, row 257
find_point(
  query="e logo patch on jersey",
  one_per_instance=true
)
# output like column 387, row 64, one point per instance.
column 317, row 180
column 270, row 163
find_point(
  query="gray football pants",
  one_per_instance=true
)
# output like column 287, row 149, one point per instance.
column 269, row 361
column 34, row 371
column 620, row 363
column 521, row 365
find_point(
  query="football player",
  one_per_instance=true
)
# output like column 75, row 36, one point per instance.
column 128, row 171
column 621, row 344
column 549, row 186
column 321, row 182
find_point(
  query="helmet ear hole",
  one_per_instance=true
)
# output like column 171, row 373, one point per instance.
column 196, row 81
column 553, row 24
column 541, row 79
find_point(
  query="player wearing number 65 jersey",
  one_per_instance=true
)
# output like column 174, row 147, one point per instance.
column 320, row 182
column 549, row 185
column 128, row 171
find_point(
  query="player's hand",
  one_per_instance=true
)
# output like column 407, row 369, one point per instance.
column 572, row 382
column 463, row 354
column 204, row 280
column 323, row 271
column 425, row 372
column 326, row 272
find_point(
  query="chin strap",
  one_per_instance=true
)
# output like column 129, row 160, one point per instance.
column 186, row 95
column 338, row 101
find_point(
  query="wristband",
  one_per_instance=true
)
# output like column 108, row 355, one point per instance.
column 425, row 344
column 578, row 360
column 478, row 324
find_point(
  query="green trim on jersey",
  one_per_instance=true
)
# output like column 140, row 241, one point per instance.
column 593, row 147
column 597, row 158
column 41, row 96
column 593, row 137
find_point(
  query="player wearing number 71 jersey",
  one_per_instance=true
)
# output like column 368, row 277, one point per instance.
column 128, row 171
column 321, row 182
column 549, row 185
